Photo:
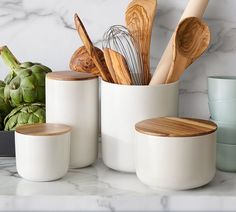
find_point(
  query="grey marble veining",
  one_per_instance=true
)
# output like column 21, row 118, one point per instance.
column 100, row 188
column 43, row 31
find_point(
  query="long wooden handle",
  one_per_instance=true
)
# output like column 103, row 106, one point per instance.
column 195, row 8
column 91, row 49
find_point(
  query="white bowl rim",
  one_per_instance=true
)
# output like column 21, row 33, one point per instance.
column 141, row 86
column 222, row 77
column 224, row 144
column 221, row 101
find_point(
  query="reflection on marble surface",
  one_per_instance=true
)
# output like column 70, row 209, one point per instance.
column 43, row 31
column 100, row 188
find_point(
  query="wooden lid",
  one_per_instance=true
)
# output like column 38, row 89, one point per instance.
column 70, row 76
column 43, row 129
column 176, row 127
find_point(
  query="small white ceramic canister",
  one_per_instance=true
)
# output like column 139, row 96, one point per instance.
column 42, row 151
column 175, row 153
column 72, row 98
column 122, row 106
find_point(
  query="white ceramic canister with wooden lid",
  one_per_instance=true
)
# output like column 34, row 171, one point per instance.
column 42, row 151
column 175, row 153
column 72, row 98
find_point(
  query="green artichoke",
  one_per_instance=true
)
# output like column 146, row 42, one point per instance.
column 5, row 107
column 1, row 123
column 26, row 81
column 25, row 114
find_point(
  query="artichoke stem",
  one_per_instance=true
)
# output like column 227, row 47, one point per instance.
column 8, row 58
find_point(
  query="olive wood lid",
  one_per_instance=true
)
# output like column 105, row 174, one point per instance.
column 70, row 76
column 176, row 127
column 43, row 129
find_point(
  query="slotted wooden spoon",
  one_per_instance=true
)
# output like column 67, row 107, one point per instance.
column 139, row 17
column 118, row 67
column 191, row 39
column 91, row 49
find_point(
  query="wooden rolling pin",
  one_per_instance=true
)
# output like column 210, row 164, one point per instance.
column 195, row 8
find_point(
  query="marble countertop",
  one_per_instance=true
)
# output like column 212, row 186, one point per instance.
column 98, row 188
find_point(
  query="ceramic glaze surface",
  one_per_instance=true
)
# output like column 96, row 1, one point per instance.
column 75, row 103
column 226, row 157
column 175, row 162
column 42, row 158
column 121, row 108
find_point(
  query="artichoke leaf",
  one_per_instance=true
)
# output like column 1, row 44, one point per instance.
column 25, row 114
column 28, row 77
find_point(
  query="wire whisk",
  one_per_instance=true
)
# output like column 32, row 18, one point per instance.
column 118, row 38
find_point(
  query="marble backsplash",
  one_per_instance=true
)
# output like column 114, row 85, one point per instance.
column 43, row 31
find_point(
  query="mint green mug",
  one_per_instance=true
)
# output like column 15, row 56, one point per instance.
column 226, row 157
column 226, row 132
column 221, row 87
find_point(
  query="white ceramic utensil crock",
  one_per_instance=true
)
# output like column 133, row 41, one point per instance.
column 42, row 151
column 175, row 153
column 72, row 98
column 121, row 107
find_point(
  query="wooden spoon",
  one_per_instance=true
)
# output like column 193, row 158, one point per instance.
column 82, row 62
column 118, row 67
column 140, row 16
column 191, row 39
column 193, row 9
column 91, row 49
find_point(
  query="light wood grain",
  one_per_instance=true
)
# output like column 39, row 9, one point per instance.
column 140, row 16
column 82, row 62
column 70, row 76
column 91, row 49
column 43, row 129
column 191, row 40
column 176, row 127
column 117, row 64
column 195, row 8
column 109, row 65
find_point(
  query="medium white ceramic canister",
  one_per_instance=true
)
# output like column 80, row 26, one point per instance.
column 72, row 98
column 42, row 151
column 122, row 106
column 175, row 153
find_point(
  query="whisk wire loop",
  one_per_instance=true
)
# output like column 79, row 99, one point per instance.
column 118, row 38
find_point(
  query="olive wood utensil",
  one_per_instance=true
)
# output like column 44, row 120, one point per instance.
column 109, row 64
column 190, row 41
column 91, row 49
column 82, row 62
column 194, row 9
column 118, row 67
column 139, row 17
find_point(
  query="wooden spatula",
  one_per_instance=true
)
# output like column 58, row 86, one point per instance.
column 118, row 67
column 91, row 49
column 191, row 39
column 139, row 17
column 108, row 61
